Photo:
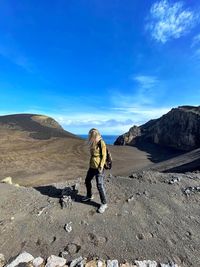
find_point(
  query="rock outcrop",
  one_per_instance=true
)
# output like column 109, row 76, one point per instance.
column 179, row 129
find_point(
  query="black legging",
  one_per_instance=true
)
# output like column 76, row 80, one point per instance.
column 100, row 184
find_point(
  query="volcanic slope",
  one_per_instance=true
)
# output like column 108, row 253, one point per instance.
column 35, row 150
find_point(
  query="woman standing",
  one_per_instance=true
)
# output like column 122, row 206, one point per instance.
column 96, row 168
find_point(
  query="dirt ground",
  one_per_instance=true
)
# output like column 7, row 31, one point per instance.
column 147, row 218
column 34, row 162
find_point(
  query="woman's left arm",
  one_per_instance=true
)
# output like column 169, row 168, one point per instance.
column 103, row 158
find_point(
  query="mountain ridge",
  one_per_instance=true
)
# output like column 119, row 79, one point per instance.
column 37, row 126
column 179, row 129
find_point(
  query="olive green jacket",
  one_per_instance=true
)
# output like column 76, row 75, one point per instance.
column 98, row 155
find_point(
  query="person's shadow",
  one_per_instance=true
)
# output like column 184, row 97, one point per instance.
column 72, row 192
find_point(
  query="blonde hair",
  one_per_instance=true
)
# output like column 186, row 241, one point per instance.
column 94, row 137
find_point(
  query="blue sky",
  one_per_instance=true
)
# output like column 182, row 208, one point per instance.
column 95, row 63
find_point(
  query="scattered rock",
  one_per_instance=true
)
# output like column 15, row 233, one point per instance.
column 41, row 210
column 127, row 265
column 174, row 180
column 64, row 254
column 68, row 227
column 168, row 265
column 68, row 194
column 112, row 263
column 92, row 263
column 130, row 199
column 77, row 262
column 140, row 236
column 7, row 180
column 101, row 263
column 134, row 176
column 66, row 202
column 146, row 263
column 2, row 260
column 22, row 258
column 38, row 262
column 54, row 261
column 189, row 190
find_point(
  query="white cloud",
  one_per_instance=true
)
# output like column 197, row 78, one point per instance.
column 169, row 20
column 123, row 110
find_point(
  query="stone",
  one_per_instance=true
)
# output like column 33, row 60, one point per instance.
column 7, row 180
column 146, row 263
column 24, row 257
column 77, row 262
column 168, row 265
column 66, row 202
column 54, row 261
column 133, row 175
column 38, row 262
column 127, row 265
column 92, row 263
column 174, row 180
column 101, row 263
column 112, row 263
column 189, row 190
column 130, row 199
column 140, row 236
column 2, row 260
column 68, row 227
column 64, row 254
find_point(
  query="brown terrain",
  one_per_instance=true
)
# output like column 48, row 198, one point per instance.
column 151, row 214
column 35, row 150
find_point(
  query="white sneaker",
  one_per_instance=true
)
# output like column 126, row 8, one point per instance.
column 102, row 208
column 85, row 199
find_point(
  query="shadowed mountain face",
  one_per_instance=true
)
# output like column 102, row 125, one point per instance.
column 37, row 126
column 179, row 129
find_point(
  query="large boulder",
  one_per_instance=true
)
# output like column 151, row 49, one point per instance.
column 179, row 128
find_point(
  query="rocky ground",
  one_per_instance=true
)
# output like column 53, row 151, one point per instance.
column 151, row 216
